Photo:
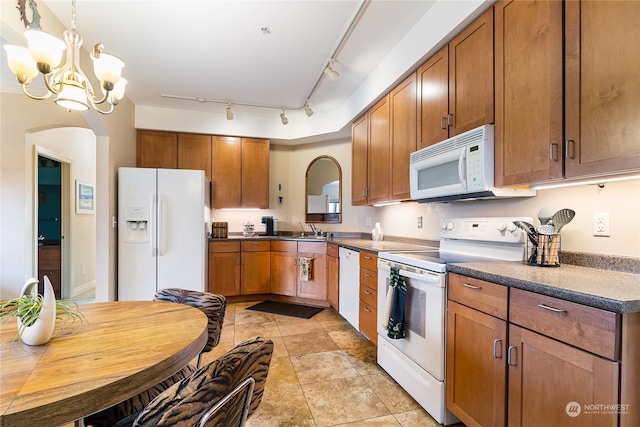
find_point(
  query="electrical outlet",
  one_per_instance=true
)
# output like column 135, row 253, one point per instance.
column 367, row 221
column 601, row 224
column 419, row 222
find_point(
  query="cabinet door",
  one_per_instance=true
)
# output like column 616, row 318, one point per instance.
column 156, row 149
column 255, row 273
column 602, row 87
column 553, row 384
column 333, row 281
column 255, row 173
column 367, row 322
column 225, row 172
column 194, row 152
column 316, row 286
column 379, row 163
column 471, row 76
column 224, row 273
column 476, row 366
column 404, row 134
column 528, row 67
column 359, row 161
column 284, row 270
column 433, row 78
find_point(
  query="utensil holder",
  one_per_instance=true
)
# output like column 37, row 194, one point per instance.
column 546, row 253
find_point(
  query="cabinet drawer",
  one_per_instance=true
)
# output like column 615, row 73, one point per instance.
column 367, row 321
column 369, row 261
column 368, row 295
column 312, row 247
column 49, row 254
column 369, row 278
column 48, row 264
column 333, row 250
column 284, row 246
column 487, row 297
column 589, row 328
column 255, row 246
column 224, row 246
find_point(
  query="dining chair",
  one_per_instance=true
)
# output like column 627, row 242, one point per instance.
column 223, row 393
column 214, row 307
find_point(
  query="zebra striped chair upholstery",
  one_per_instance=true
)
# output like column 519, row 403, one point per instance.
column 214, row 307
column 186, row 403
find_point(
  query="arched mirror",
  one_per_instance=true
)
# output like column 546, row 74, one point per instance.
column 323, row 198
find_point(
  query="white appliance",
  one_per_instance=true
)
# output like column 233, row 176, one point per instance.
column 417, row 362
column 458, row 168
column 349, row 296
column 163, row 216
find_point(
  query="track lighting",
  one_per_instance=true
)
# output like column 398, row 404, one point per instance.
column 330, row 72
column 307, row 109
column 229, row 112
column 283, row 118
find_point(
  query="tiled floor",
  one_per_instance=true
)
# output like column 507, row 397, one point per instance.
column 323, row 373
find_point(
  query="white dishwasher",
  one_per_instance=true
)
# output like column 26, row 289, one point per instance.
column 349, row 302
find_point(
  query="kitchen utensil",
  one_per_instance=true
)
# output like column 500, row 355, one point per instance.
column 546, row 230
column 529, row 229
column 562, row 218
column 545, row 214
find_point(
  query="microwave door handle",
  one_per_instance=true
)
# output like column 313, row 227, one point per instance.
column 462, row 169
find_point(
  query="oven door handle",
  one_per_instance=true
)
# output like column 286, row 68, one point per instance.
column 432, row 279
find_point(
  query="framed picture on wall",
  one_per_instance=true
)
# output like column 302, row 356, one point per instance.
column 85, row 198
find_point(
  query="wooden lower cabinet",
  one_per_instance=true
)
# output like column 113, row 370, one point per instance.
column 368, row 319
column 550, row 363
column 553, row 384
column 224, row 268
column 316, row 286
column 284, row 267
column 255, row 269
column 476, row 367
column 50, row 264
column 333, row 275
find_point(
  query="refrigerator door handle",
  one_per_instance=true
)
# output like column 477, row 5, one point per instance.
column 152, row 225
column 160, row 218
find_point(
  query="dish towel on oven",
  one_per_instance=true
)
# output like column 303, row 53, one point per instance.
column 305, row 268
column 396, row 315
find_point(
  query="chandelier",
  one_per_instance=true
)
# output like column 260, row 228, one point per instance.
column 66, row 79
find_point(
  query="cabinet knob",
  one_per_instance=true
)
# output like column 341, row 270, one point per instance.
column 511, row 359
column 443, row 123
column 569, row 148
column 476, row 288
column 497, row 349
column 553, row 152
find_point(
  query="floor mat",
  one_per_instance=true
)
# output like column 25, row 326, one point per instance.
column 286, row 309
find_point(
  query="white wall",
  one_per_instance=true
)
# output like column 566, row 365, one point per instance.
column 620, row 199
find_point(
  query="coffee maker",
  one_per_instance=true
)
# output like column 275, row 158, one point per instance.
column 270, row 225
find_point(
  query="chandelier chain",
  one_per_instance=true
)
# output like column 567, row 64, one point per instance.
column 73, row 15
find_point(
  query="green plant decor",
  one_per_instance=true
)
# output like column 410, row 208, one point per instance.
column 27, row 308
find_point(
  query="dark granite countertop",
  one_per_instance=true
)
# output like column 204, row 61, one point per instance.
column 609, row 290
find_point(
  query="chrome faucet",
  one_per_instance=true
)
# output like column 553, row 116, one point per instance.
column 302, row 228
column 316, row 231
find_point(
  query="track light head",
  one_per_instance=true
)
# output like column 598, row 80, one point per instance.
column 229, row 112
column 283, row 118
column 331, row 73
column 308, row 109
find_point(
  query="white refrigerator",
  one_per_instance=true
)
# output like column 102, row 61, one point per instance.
column 163, row 215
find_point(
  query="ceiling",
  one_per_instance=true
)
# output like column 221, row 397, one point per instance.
column 265, row 53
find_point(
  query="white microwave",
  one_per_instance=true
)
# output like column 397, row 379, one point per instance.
column 458, row 168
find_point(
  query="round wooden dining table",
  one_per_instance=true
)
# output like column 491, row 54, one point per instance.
column 122, row 349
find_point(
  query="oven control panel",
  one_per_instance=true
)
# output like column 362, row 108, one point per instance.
column 489, row 229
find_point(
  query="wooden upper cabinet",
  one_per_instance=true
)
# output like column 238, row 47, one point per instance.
column 602, row 55
column 240, row 172
column 225, row 172
column 379, row 152
column 433, row 78
column 404, row 134
column 255, row 173
column 471, row 76
column 359, row 161
column 456, row 84
column 528, row 103
column 194, row 152
column 157, row 149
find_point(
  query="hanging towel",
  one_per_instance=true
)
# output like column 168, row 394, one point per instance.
column 389, row 301
column 396, row 318
column 305, row 268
